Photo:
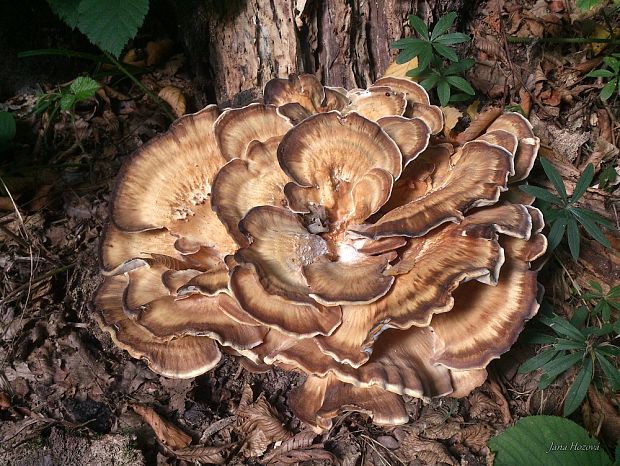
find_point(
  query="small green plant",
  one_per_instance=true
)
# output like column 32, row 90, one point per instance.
column 606, row 303
column 80, row 89
column 7, row 129
column 546, row 441
column 561, row 213
column 433, row 50
column 579, row 342
column 108, row 24
column 613, row 75
column 587, row 4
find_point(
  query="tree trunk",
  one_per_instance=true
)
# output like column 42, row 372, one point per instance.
column 236, row 46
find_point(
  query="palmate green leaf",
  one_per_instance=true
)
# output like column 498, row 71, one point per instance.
column 596, row 218
column 459, row 67
column 419, row 26
column 555, row 178
column 443, row 92
column 407, row 43
column 579, row 316
column 572, row 230
column 110, row 24
column 608, row 89
column 452, row 38
column 443, row 24
column 431, row 81
column 536, row 362
column 557, row 366
column 562, row 327
column 445, row 51
column 614, row 293
column 459, row 97
column 84, row 87
column 67, row 10
column 425, row 56
column 578, row 390
column 556, row 233
column 530, row 440
column 460, row 83
column 583, row 183
column 609, row 369
column 590, row 227
column 541, row 193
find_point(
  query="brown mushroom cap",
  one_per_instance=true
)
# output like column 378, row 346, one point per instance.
column 305, row 90
column 376, row 102
column 184, row 357
column 236, row 128
column 320, row 399
column 410, row 135
column 528, row 144
column 476, row 179
column 243, row 184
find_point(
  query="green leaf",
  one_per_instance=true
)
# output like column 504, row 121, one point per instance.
column 608, row 349
column 443, row 24
column 459, row 66
column 84, row 87
column 541, row 193
column 424, row 58
column 445, row 51
column 555, row 178
column 110, row 24
column 583, row 183
column 572, row 228
column 614, row 293
column 562, row 344
column 547, row 441
column 419, row 26
column 430, row 82
column 609, row 369
column 459, row 97
column 67, row 10
column 586, row 4
column 579, row 316
column 591, row 227
column 578, row 390
column 595, row 286
column 452, row 38
column 608, row 89
column 443, row 92
column 460, row 83
column 536, row 362
column 559, row 365
column 605, row 329
column 556, row 233
column 7, row 127
column 613, row 62
column 407, row 42
column 600, row 74
column 562, row 326
column 592, row 216
column 536, row 338
column 607, row 176
column 67, row 101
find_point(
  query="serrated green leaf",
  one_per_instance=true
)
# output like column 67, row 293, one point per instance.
column 110, row 24
column 452, row 38
column 443, row 24
column 7, row 127
column 541, row 193
column 84, row 87
column 536, row 362
column 609, row 369
column 460, row 83
column 532, row 440
column 562, row 327
column 608, row 89
column 67, row 101
column 555, row 178
column 600, row 74
column 67, row 10
column 578, row 390
column 556, row 233
column 443, row 92
column 583, row 183
column 419, row 26
column 445, row 51
column 572, row 230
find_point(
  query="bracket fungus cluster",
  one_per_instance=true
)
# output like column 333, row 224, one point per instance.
column 328, row 232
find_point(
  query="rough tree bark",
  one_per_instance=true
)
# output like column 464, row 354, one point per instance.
column 236, row 46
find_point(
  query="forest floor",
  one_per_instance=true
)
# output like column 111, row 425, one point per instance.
column 68, row 396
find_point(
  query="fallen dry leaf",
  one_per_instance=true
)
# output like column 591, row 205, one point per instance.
column 166, row 432
column 475, row 436
column 174, row 97
column 477, row 127
column 198, row 454
column 451, row 117
column 400, row 71
column 481, row 406
column 429, row 451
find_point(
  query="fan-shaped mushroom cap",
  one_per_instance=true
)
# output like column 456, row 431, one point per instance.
column 243, row 184
column 320, row 399
column 376, row 102
column 410, row 135
column 476, row 179
column 236, row 128
column 183, row 357
column 528, row 144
